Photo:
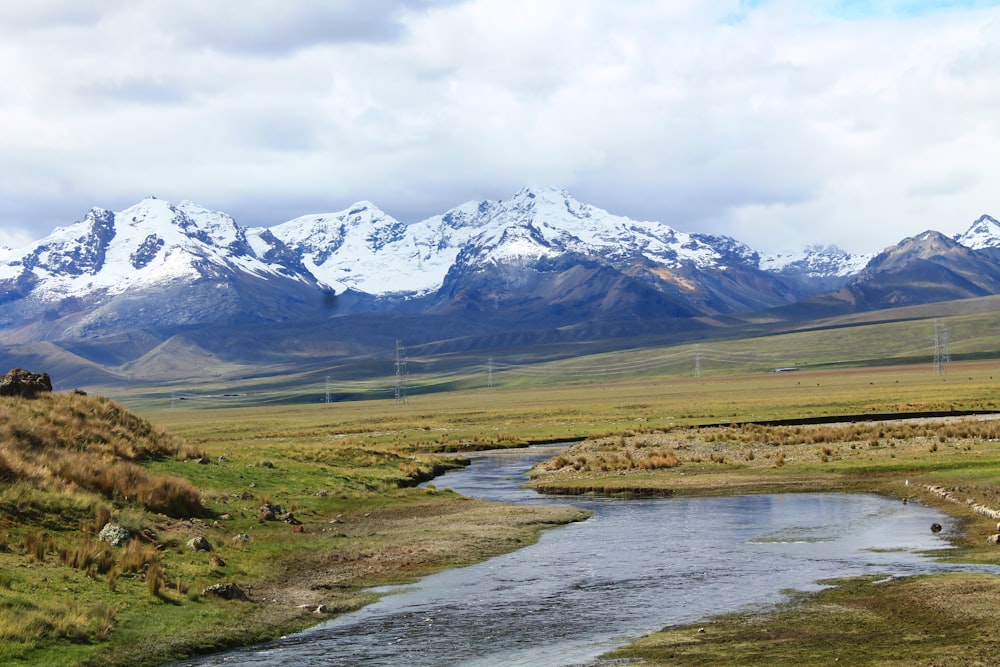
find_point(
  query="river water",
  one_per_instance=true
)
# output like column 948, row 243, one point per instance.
column 633, row 568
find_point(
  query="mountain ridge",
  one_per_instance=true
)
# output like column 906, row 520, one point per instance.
column 513, row 270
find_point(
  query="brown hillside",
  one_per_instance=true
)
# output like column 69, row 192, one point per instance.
column 61, row 442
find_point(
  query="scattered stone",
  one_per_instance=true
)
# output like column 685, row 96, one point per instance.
column 78, row 392
column 215, row 561
column 269, row 512
column 114, row 534
column 228, row 591
column 199, row 544
column 298, row 529
column 993, row 539
column 936, row 527
column 316, row 609
column 242, row 538
column 19, row 382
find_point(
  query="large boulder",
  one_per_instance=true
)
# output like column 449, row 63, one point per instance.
column 19, row 382
column 114, row 534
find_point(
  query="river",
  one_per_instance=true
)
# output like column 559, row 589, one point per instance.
column 633, row 568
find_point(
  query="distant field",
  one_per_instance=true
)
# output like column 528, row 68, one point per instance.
column 864, row 361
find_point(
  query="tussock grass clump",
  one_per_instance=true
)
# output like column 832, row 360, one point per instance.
column 24, row 621
column 64, row 442
column 90, row 556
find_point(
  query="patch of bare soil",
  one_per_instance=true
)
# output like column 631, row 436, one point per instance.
column 397, row 546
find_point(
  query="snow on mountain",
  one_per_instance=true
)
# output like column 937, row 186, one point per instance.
column 366, row 250
column 984, row 233
column 540, row 222
column 152, row 242
column 816, row 261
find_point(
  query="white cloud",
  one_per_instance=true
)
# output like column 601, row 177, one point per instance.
column 774, row 122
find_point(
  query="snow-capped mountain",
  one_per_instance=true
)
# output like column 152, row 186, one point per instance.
column 816, row 261
column 544, row 222
column 537, row 261
column 148, row 243
column 148, row 265
column 984, row 234
column 363, row 249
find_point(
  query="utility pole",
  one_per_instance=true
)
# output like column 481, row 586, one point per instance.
column 941, row 356
column 489, row 373
column 697, row 360
column 400, row 368
column 327, row 389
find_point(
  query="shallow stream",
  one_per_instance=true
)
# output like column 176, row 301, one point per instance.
column 633, row 568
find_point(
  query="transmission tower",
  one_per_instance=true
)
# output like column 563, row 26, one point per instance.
column 489, row 372
column 327, row 389
column 697, row 360
column 941, row 356
column 400, row 373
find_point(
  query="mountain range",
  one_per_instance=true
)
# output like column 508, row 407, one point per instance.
column 118, row 294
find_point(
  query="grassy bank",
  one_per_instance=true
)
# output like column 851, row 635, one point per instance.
column 300, row 523
column 943, row 620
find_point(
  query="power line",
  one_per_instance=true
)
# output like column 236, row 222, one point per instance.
column 400, row 369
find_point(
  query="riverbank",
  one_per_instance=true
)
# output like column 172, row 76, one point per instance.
column 951, row 464
column 211, row 542
column 392, row 545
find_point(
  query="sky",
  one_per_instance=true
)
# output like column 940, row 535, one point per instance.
column 776, row 122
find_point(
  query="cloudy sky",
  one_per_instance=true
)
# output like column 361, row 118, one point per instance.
column 780, row 123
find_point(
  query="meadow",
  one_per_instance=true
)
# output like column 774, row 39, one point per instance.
column 307, row 503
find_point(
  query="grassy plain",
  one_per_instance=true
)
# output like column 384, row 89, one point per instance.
column 642, row 419
column 345, row 472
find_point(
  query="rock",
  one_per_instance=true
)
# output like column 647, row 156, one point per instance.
column 242, row 538
column 215, row 561
column 316, row 609
column 114, row 534
column 935, row 527
column 269, row 512
column 993, row 539
column 228, row 591
column 199, row 544
column 19, row 382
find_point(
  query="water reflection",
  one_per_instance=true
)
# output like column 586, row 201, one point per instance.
column 634, row 567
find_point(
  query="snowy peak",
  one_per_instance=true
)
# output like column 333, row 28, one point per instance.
column 550, row 221
column 151, row 242
column 360, row 248
column 816, row 261
column 984, row 233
